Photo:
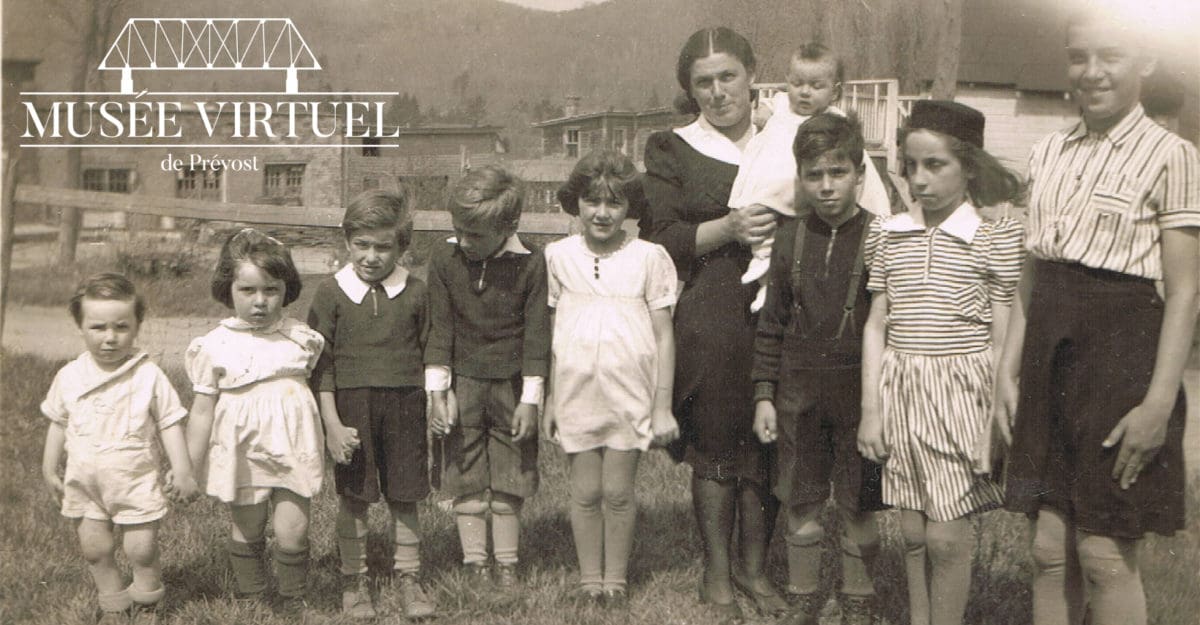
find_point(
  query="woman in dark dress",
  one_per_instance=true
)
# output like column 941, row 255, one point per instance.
column 689, row 175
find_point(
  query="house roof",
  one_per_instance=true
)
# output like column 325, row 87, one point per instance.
column 542, row 169
column 661, row 110
column 1013, row 42
column 450, row 129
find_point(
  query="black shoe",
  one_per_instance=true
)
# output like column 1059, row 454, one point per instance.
column 857, row 609
column 583, row 596
column 506, row 576
column 805, row 609
column 615, row 599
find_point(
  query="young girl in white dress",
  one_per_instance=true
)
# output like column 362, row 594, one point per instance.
column 254, row 433
column 613, row 363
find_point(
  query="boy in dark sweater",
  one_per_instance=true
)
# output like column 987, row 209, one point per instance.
column 485, row 365
column 807, row 368
column 369, row 383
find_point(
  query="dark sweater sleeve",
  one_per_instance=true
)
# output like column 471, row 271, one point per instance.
column 664, row 191
column 422, row 304
column 322, row 317
column 439, row 343
column 535, row 350
column 776, row 312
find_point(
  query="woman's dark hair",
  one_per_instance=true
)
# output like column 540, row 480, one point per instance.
column 607, row 175
column 106, row 286
column 702, row 43
column 988, row 182
column 267, row 253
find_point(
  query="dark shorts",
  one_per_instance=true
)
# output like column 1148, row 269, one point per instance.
column 1091, row 339
column 479, row 451
column 391, row 459
column 818, row 412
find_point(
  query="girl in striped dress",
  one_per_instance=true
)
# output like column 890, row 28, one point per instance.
column 942, row 281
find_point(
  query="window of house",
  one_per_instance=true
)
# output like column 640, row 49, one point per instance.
column 283, row 181
column 619, row 141
column 370, row 146
column 199, row 184
column 548, row 197
column 112, row 180
column 571, row 140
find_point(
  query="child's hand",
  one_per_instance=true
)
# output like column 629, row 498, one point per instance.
column 664, row 426
column 524, row 424
column 183, row 487
column 870, row 437
column 55, row 484
column 549, row 421
column 1004, row 408
column 1141, row 432
column 765, row 422
column 439, row 413
column 341, row 441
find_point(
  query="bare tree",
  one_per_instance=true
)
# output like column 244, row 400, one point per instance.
column 949, row 41
column 93, row 22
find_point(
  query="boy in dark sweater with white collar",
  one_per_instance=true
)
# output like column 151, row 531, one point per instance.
column 485, row 365
column 369, row 381
column 808, row 368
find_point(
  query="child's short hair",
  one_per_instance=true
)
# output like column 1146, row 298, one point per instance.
column 106, row 286
column 376, row 209
column 815, row 52
column 488, row 195
column 267, row 253
column 827, row 132
column 607, row 175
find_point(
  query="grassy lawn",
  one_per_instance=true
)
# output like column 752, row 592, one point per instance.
column 43, row 579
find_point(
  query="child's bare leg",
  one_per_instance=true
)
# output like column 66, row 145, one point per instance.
column 141, row 547
column 291, row 541
column 469, row 514
column 912, row 528
column 247, row 541
column 1058, row 593
column 860, row 548
column 97, row 544
column 948, row 544
column 757, row 511
column 1114, row 582
column 406, row 538
column 506, row 527
column 587, row 519
column 351, row 525
column 804, row 536
column 620, row 514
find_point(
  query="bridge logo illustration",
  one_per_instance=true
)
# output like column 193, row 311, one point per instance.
column 239, row 44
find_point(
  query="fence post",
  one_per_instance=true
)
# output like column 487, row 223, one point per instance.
column 7, row 214
column 891, row 124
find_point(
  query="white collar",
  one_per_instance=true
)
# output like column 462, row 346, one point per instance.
column 961, row 224
column 97, row 377
column 356, row 288
column 511, row 244
column 707, row 140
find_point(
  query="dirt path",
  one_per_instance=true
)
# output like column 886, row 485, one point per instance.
column 50, row 333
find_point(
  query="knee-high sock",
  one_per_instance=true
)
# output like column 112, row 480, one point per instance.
column 472, row 528
column 248, row 571
column 506, row 528
column 587, row 520
column 948, row 545
column 620, row 514
column 757, row 511
column 291, row 571
column 804, row 561
column 714, row 504
column 406, row 541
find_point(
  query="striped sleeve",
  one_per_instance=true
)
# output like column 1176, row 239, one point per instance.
column 1005, row 257
column 874, row 257
column 1180, row 205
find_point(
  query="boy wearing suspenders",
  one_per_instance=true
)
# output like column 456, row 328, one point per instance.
column 807, row 369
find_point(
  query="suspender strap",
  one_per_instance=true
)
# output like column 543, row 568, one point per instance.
column 855, row 277
column 798, row 255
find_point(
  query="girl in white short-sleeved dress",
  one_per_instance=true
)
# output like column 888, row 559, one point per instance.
column 613, row 362
column 255, row 434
